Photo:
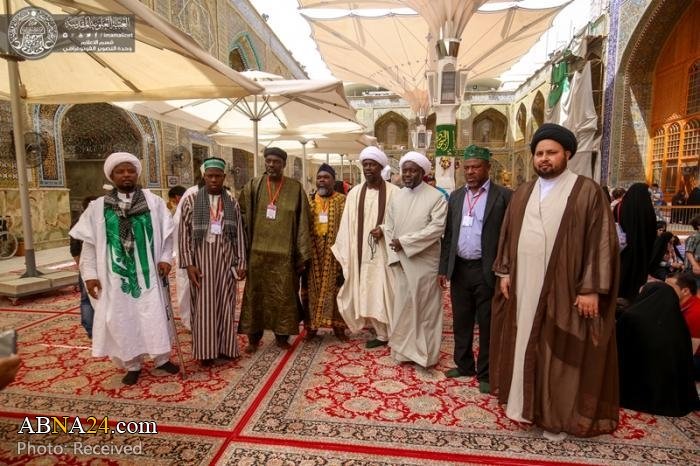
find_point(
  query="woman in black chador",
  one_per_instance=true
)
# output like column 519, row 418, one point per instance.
column 655, row 355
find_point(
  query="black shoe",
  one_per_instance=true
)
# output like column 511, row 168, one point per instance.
column 226, row 357
column 169, row 367
column 376, row 343
column 131, row 377
column 282, row 341
column 207, row 362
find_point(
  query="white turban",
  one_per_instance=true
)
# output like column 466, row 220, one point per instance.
column 386, row 173
column 120, row 157
column 417, row 158
column 374, row 153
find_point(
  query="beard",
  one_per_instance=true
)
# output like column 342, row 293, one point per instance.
column 324, row 192
column 549, row 172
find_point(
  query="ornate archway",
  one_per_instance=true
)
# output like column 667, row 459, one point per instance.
column 86, row 134
column 391, row 130
column 489, row 128
column 630, row 122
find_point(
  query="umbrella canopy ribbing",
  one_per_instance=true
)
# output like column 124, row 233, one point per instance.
column 395, row 51
column 166, row 63
column 298, row 105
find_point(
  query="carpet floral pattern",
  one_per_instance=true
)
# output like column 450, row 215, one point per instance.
column 324, row 402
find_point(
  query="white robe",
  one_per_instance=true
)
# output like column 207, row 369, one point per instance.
column 126, row 327
column 182, row 281
column 416, row 217
column 368, row 290
column 543, row 215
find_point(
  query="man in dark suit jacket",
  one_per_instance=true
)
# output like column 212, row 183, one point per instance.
column 474, row 216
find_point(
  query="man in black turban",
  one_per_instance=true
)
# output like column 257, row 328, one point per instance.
column 553, row 314
column 557, row 133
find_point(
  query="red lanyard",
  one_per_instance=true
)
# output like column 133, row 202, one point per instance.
column 219, row 210
column 470, row 205
column 325, row 204
column 270, row 197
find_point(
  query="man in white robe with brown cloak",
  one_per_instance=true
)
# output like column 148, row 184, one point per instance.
column 553, row 354
column 367, row 295
column 415, row 223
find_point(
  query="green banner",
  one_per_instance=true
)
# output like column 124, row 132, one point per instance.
column 445, row 140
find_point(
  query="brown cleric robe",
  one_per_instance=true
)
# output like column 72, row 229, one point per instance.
column 570, row 376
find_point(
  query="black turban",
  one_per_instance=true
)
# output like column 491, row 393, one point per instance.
column 276, row 151
column 326, row 168
column 557, row 133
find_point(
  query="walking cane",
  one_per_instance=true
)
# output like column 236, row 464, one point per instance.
column 171, row 319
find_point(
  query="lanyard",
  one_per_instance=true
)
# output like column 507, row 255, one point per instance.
column 470, row 205
column 325, row 204
column 215, row 214
column 270, row 197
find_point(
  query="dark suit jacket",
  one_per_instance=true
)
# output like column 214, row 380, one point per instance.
column 496, row 204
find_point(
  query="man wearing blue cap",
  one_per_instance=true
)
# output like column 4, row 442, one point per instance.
column 325, row 274
column 212, row 250
column 474, row 217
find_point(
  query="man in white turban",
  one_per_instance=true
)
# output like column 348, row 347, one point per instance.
column 415, row 222
column 127, row 251
column 367, row 293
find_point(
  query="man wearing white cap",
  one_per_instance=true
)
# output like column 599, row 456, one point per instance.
column 415, row 222
column 367, row 296
column 127, row 249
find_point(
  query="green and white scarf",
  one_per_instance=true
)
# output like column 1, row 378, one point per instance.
column 129, row 235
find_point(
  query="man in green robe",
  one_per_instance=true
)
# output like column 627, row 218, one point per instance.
column 275, row 212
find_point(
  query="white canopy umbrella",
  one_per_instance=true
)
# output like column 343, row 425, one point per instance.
column 297, row 105
column 395, row 51
column 166, row 63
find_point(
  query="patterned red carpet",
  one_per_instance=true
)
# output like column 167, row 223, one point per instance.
column 323, row 402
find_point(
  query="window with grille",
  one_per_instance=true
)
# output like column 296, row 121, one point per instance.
column 658, row 145
column 694, row 89
column 675, row 150
column 674, row 141
column 691, row 140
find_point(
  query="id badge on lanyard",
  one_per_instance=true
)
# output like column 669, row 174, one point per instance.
column 467, row 221
column 215, row 227
column 323, row 217
column 271, row 213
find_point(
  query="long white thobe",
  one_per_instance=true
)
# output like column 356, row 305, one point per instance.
column 126, row 327
column 368, row 289
column 543, row 215
column 416, row 217
column 182, row 281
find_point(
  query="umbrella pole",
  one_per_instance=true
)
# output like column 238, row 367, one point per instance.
column 255, row 147
column 18, row 133
column 303, row 163
column 342, row 166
